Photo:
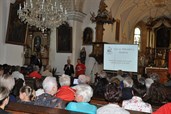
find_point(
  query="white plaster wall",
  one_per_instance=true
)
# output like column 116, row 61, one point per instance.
column 4, row 5
column 10, row 54
column 56, row 60
column 14, row 54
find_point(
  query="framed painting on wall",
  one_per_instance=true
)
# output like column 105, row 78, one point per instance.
column 64, row 39
column 16, row 30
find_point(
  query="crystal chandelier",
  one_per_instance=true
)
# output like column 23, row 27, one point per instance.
column 43, row 14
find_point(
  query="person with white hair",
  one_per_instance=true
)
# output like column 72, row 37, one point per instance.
column 83, row 79
column 47, row 71
column 69, row 68
column 83, row 95
column 4, row 99
column 65, row 92
column 17, row 74
column 48, row 99
column 148, row 82
column 7, row 81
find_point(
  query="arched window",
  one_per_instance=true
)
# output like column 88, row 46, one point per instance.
column 137, row 37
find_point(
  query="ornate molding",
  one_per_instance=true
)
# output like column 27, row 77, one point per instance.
column 76, row 15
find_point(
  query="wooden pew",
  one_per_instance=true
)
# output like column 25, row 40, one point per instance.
column 18, row 108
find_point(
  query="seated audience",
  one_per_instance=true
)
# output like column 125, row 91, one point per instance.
column 137, row 104
column 17, row 75
column 127, row 91
column 83, row 79
column 48, row 99
column 47, row 71
column 157, row 94
column 4, row 99
column 18, row 84
column 139, row 87
column 65, row 92
column 27, row 95
column 119, row 75
column 83, row 95
column 116, row 81
column 8, row 81
column 113, row 96
column 155, row 77
column 39, row 87
column 35, row 73
column 148, row 82
column 7, row 69
column 100, row 85
column 165, row 109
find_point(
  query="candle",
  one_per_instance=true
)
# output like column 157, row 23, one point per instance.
column 65, row 11
column 20, row 7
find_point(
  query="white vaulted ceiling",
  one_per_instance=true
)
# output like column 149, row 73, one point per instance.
column 133, row 11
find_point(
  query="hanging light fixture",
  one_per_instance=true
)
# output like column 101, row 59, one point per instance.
column 43, row 14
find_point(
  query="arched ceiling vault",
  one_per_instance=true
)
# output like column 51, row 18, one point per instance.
column 133, row 11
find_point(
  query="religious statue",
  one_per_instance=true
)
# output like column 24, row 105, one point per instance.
column 83, row 55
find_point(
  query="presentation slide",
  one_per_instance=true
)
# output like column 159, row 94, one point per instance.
column 120, row 57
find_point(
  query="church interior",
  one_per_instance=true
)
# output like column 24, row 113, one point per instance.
column 151, row 18
column 84, row 27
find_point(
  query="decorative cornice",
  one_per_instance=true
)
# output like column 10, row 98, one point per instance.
column 76, row 15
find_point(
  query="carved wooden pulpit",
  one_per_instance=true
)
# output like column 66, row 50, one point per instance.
column 103, row 17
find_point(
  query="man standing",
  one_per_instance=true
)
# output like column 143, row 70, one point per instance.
column 80, row 68
column 69, row 68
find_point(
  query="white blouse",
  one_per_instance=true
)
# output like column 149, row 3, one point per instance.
column 111, row 109
column 137, row 104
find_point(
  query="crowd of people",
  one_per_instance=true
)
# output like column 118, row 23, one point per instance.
column 122, row 91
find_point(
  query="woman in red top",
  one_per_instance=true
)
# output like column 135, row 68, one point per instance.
column 65, row 92
column 80, row 68
column 165, row 109
column 35, row 73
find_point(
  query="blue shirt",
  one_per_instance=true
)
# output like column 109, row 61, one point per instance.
column 82, row 107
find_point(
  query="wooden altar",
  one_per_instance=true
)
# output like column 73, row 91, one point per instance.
column 37, row 44
column 162, row 72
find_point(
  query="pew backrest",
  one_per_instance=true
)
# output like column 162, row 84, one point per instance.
column 19, row 108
